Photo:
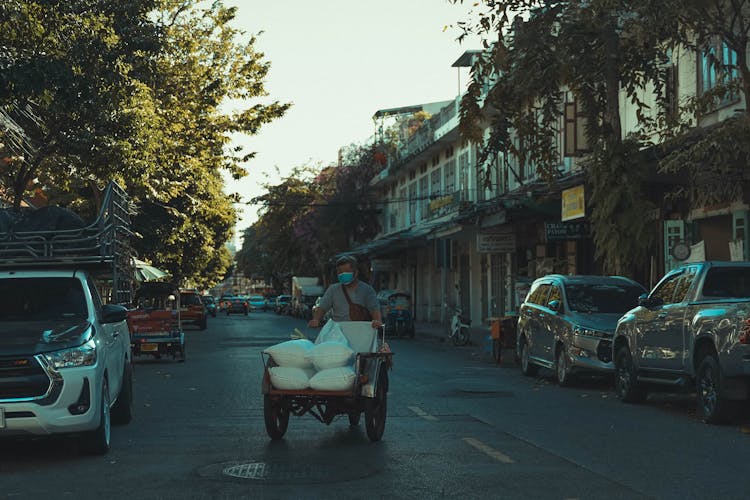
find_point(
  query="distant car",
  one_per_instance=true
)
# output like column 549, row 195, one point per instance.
column 257, row 303
column 224, row 302
column 282, row 302
column 210, row 303
column 567, row 323
column 270, row 301
column 192, row 309
column 237, row 305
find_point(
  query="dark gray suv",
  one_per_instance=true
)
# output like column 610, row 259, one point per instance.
column 567, row 322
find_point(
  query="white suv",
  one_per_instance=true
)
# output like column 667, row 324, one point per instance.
column 65, row 364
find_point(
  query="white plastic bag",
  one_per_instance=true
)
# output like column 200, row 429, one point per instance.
column 331, row 332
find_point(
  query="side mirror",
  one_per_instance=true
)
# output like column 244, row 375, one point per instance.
column 649, row 302
column 112, row 313
column 554, row 305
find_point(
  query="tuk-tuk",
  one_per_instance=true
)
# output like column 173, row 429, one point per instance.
column 395, row 307
column 155, row 324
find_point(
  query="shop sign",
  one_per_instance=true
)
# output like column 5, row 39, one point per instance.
column 496, row 242
column 441, row 202
column 561, row 231
column 385, row 264
column 573, row 203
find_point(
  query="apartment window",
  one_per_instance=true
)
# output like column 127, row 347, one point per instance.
column 424, row 193
column 413, row 203
column 449, row 152
column 671, row 89
column 718, row 66
column 403, row 207
column 423, row 169
column 412, row 175
column 450, row 176
column 463, row 175
column 435, row 160
column 575, row 135
column 435, row 183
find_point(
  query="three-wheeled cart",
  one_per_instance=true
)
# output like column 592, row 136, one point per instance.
column 368, row 397
column 155, row 323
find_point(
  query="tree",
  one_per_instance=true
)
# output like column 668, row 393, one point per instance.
column 137, row 92
column 713, row 162
column 537, row 49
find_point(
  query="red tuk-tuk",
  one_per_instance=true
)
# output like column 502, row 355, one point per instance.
column 155, row 324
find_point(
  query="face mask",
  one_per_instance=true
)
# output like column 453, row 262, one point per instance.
column 346, row 278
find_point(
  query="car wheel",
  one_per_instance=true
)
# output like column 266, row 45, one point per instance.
column 527, row 367
column 122, row 411
column 97, row 442
column 562, row 368
column 712, row 407
column 626, row 384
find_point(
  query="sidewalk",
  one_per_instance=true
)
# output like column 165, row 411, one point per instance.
column 439, row 332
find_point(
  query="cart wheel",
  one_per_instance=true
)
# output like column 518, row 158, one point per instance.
column 376, row 409
column 354, row 418
column 277, row 418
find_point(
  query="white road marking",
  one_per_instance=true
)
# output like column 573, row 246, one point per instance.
column 421, row 413
column 497, row 455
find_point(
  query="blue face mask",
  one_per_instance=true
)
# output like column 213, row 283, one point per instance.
column 346, row 278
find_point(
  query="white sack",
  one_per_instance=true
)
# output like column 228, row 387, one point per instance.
column 330, row 355
column 289, row 378
column 291, row 353
column 333, row 379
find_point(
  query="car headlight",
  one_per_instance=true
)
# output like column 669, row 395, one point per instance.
column 84, row 355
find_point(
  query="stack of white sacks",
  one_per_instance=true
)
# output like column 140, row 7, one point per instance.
column 326, row 365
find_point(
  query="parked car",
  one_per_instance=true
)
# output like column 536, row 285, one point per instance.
column 567, row 322
column 693, row 331
column 270, row 302
column 282, row 303
column 257, row 302
column 224, row 301
column 210, row 304
column 192, row 309
column 237, row 305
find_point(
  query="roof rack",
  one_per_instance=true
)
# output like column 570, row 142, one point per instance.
column 101, row 247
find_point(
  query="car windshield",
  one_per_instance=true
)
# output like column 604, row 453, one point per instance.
column 41, row 299
column 257, row 298
column 602, row 298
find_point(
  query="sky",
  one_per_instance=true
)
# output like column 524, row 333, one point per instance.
column 338, row 62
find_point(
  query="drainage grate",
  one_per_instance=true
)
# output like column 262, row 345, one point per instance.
column 297, row 473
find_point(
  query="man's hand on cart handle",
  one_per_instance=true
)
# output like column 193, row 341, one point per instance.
column 314, row 323
column 376, row 323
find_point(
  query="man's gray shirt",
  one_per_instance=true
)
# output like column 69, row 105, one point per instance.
column 334, row 300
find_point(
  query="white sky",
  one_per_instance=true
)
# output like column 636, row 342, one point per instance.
column 338, row 62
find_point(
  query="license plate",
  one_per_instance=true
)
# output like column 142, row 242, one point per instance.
column 149, row 347
column 2, row 418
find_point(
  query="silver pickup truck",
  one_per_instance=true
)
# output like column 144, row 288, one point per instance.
column 692, row 330
column 65, row 361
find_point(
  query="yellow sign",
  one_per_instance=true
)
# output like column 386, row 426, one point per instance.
column 573, row 203
column 441, row 202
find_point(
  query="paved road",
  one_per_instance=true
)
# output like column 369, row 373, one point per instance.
column 459, row 426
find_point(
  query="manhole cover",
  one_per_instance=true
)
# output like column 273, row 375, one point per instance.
column 287, row 473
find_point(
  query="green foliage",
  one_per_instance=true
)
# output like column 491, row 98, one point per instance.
column 311, row 216
column 593, row 49
column 136, row 91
